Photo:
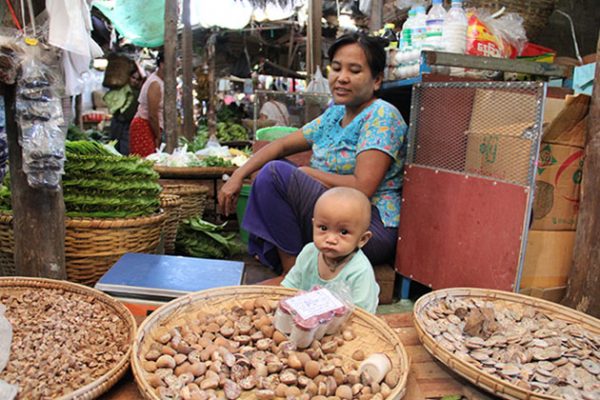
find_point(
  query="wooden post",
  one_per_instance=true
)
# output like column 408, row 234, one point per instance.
column 189, row 127
column 583, row 288
column 170, row 81
column 313, row 33
column 211, row 117
column 376, row 15
column 38, row 214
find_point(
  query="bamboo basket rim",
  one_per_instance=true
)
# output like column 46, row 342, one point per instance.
column 170, row 199
column 102, row 384
column 165, row 171
column 183, row 188
column 88, row 222
column 470, row 372
column 170, row 309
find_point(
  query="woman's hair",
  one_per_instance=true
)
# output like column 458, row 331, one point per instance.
column 160, row 58
column 371, row 45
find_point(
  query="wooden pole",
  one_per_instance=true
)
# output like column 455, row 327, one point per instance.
column 211, row 117
column 170, row 82
column 376, row 15
column 313, row 40
column 189, row 127
column 38, row 214
column 583, row 288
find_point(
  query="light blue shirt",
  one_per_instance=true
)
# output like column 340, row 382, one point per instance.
column 357, row 274
column 379, row 126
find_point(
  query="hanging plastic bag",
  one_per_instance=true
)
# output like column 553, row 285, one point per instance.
column 318, row 83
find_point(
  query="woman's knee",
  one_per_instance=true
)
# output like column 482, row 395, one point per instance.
column 272, row 174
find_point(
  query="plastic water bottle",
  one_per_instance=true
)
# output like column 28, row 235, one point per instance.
column 434, row 26
column 419, row 31
column 454, row 33
column 406, row 33
column 454, row 29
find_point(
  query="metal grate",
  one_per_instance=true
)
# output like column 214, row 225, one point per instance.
column 484, row 129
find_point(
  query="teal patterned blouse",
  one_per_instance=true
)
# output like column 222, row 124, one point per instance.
column 379, row 126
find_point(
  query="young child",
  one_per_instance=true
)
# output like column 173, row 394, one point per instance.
column 340, row 228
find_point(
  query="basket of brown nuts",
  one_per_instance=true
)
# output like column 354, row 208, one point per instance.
column 69, row 341
column 515, row 346
column 221, row 343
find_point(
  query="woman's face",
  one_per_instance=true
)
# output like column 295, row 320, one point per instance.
column 350, row 78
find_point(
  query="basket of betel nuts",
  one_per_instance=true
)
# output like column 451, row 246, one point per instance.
column 222, row 343
column 68, row 341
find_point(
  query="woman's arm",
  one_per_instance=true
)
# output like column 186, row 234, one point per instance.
column 285, row 146
column 154, row 97
column 371, row 167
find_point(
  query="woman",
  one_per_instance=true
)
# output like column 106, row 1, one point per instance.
column 121, row 119
column 358, row 142
column 147, row 125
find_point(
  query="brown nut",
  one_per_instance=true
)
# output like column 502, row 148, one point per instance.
column 344, row 392
column 289, row 377
column 293, row 361
column 153, row 355
column 329, row 347
column 265, row 394
column 392, row 378
column 149, row 366
column 280, row 390
column 248, row 382
column 231, row 389
column 197, row 369
column 292, row 392
column 179, row 358
column 312, row 368
column 358, row 355
column 165, row 361
column 155, row 381
column 348, row 334
column 385, row 390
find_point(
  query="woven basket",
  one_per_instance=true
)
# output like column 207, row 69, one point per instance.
column 101, row 385
column 193, row 198
column 171, row 204
column 372, row 333
column 7, row 244
column 92, row 246
column 474, row 374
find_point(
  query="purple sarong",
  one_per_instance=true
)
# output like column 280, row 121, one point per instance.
column 279, row 215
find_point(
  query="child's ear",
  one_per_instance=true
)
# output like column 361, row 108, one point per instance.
column 364, row 239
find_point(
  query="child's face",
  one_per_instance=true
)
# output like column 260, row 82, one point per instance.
column 338, row 227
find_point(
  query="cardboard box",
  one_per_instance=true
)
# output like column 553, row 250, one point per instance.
column 567, row 126
column 548, row 259
column 499, row 144
column 557, row 186
column 554, row 294
column 500, row 153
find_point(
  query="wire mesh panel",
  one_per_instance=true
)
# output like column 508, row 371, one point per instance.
column 486, row 129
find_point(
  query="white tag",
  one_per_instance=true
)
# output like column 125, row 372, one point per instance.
column 314, row 303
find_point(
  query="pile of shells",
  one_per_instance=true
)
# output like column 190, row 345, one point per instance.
column 224, row 354
column 519, row 344
column 61, row 342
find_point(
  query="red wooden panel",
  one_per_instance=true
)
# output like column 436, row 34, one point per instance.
column 460, row 231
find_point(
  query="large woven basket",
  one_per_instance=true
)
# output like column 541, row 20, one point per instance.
column 101, row 385
column 171, row 204
column 475, row 374
column 193, row 197
column 92, row 246
column 372, row 333
column 7, row 262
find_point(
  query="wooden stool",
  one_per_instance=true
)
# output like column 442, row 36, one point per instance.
column 385, row 275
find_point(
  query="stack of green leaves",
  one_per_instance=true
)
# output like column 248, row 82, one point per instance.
column 100, row 183
column 199, row 238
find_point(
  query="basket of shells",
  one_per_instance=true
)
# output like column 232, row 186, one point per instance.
column 221, row 343
column 69, row 341
column 514, row 346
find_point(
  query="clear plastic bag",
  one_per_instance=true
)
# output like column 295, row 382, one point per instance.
column 7, row 391
column 39, row 111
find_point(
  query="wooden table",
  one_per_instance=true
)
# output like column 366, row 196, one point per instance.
column 427, row 378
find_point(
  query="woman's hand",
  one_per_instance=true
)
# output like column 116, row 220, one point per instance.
column 228, row 195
